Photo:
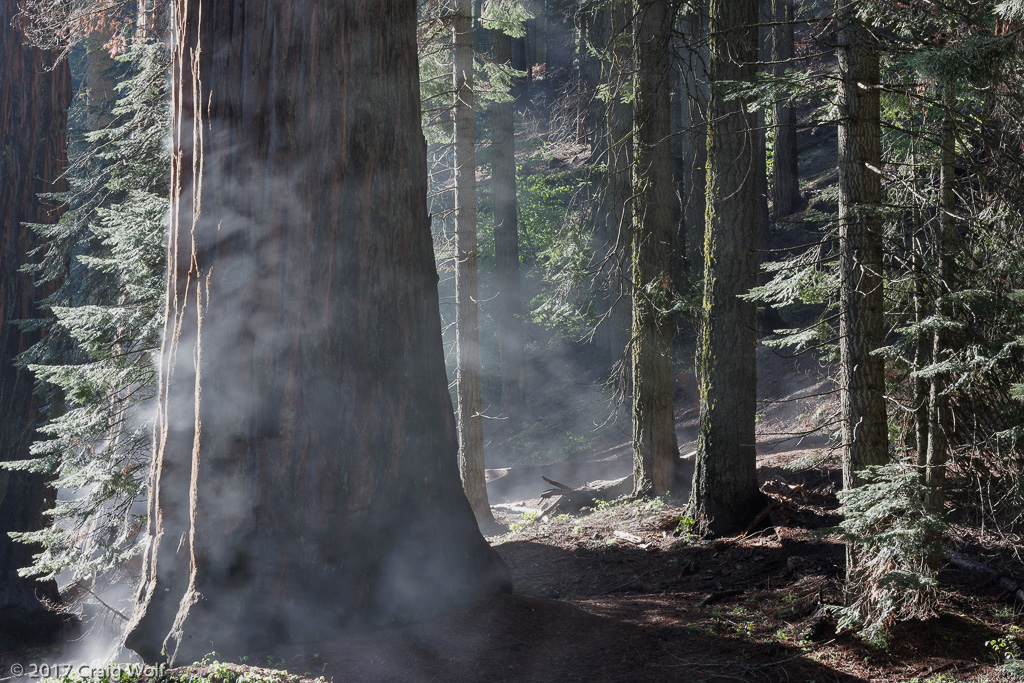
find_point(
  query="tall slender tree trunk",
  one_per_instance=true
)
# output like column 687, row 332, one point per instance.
column 306, row 443
column 694, row 152
column 861, row 318
column 939, row 415
column 922, row 352
column 506, row 249
column 559, row 45
column 725, row 495
column 467, row 325
column 655, row 450
column 33, row 118
column 922, row 341
column 785, row 178
column 613, row 227
column 520, row 62
column 767, row 317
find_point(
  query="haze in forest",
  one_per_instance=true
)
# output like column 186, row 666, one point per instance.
column 512, row 340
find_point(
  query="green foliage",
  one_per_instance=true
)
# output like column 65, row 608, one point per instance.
column 554, row 241
column 539, row 443
column 98, row 355
column 1007, row 647
column 1010, row 10
column 525, row 520
column 891, row 530
column 507, row 16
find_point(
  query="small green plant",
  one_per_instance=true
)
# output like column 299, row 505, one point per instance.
column 744, row 630
column 788, row 606
column 1005, row 613
column 1006, row 648
column 656, row 503
column 525, row 520
column 684, row 526
column 892, row 532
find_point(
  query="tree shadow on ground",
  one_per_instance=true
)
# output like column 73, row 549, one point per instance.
column 518, row 638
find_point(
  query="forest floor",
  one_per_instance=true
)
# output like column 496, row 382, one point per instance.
column 623, row 591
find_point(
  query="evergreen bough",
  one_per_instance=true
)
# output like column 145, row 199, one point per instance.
column 96, row 365
column 890, row 529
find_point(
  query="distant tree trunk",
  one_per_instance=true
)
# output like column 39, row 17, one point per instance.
column 559, row 46
column 509, row 303
column 922, row 354
column 725, row 495
column 467, row 326
column 306, row 444
column 767, row 317
column 922, row 341
column 33, row 117
column 694, row 152
column 655, row 450
column 939, row 415
column 613, row 224
column 519, row 63
column 861, row 315
column 785, row 179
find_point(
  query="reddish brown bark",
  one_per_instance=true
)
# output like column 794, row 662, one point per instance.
column 862, row 306
column 655, row 450
column 33, row 116
column 305, row 478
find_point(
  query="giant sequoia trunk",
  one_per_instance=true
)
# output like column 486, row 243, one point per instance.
column 725, row 492
column 33, row 115
column 655, row 450
column 861, row 317
column 305, row 473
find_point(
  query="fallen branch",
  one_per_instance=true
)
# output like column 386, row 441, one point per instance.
column 759, row 517
column 718, row 596
column 517, row 508
column 556, row 484
column 635, row 581
column 626, row 536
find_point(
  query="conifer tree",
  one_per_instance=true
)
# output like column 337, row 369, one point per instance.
column 99, row 356
column 725, row 495
column 509, row 303
column 34, row 95
column 861, row 306
column 467, row 316
column 655, row 450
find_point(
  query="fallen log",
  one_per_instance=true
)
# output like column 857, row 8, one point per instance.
column 1007, row 583
column 511, row 507
column 571, row 501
